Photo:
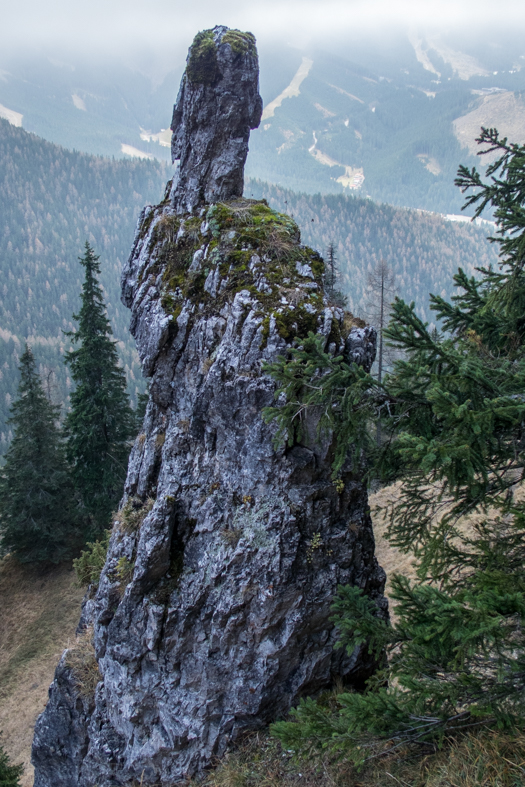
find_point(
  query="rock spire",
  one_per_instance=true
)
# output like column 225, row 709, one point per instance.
column 217, row 105
column 212, row 613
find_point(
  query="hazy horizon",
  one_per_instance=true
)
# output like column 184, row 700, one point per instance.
column 155, row 38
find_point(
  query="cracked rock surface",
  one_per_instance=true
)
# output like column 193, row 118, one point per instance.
column 212, row 614
column 217, row 105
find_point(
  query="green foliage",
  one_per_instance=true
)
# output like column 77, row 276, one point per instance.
column 9, row 774
column 133, row 513
column 454, row 410
column 140, row 411
column 38, row 517
column 250, row 243
column 202, row 64
column 100, row 423
column 332, row 278
column 323, row 387
column 89, row 565
column 357, row 621
column 241, row 43
column 124, row 570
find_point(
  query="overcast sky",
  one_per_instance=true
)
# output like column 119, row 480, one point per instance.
column 103, row 25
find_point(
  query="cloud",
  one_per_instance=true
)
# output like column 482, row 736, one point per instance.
column 97, row 25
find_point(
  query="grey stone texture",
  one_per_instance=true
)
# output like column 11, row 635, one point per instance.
column 212, row 614
column 217, row 105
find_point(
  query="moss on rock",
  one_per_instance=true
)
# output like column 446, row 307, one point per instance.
column 246, row 246
column 202, row 65
column 241, row 43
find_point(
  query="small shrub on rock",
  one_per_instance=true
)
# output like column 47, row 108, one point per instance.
column 9, row 774
column 89, row 565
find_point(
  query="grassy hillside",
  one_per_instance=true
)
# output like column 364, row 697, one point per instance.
column 40, row 612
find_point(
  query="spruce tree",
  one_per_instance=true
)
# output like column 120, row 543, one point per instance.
column 381, row 290
column 100, row 423
column 9, row 774
column 37, row 501
column 454, row 411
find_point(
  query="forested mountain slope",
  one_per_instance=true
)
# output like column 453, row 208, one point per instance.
column 52, row 200
column 423, row 249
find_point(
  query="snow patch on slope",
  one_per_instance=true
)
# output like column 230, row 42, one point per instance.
column 15, row 118
column 291, row 90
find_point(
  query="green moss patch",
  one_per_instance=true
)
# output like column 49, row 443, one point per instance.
column 241, row 43
column 133, row 514
column 88, row 567
column 252, row 248
column 202, row 65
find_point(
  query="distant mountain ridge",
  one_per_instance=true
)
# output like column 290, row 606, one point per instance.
column 389, row 116
column 52, row 200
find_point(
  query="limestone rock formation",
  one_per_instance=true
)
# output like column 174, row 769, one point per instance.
column 212, row 614
column 217, row 105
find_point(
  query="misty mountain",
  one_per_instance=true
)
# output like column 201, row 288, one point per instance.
column 388, row 115
column 390, row 119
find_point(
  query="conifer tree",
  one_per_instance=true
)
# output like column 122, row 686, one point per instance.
column 100, row 423
column 37, row 501
column 454, row 410
column 9, row 774
column 140, row 411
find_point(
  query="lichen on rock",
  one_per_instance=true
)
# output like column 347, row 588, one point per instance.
column 212, row 613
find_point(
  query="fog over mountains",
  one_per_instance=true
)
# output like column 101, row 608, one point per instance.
column 385, row 115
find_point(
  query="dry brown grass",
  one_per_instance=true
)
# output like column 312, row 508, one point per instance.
column 84, row 666
column 40, row 611
column 259, row 761
column 482, row 759
column 390, row 558
column 133, row 514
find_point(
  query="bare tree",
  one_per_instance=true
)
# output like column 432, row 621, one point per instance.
column 381, row 291
column 331, row 278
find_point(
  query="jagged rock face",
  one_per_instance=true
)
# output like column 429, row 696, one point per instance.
column 212, row 614
column 217, row 105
